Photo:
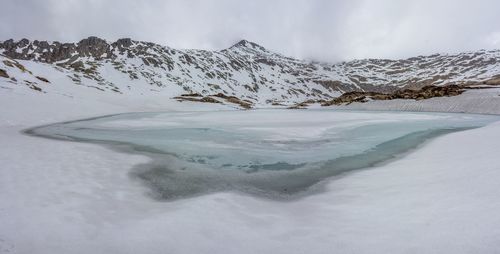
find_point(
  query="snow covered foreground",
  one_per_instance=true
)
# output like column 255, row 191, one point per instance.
column 65, row 197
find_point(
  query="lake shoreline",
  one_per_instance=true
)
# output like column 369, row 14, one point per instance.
column 157, row 167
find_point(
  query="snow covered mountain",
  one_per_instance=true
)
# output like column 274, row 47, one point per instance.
column 245, row 70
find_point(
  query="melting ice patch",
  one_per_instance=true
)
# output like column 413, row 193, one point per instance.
column 270, row 153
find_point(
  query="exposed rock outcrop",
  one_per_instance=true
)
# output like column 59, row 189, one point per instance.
column 3, row 73
column 425, row 92
column 232, row 99
column 42, row 79
column 215, row 98
column 205, row 99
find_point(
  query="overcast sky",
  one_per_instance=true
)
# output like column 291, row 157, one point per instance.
column 325, row 30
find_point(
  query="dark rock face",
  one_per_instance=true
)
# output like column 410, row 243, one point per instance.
column 94, row 47
column 44, row 52
column 427, row 92
column 3, row 73
column 122, row 43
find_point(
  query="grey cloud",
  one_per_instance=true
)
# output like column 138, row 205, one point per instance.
column 325, row 30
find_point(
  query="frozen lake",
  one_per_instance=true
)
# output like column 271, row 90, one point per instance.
column 279, row 154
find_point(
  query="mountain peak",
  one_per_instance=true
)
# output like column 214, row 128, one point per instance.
column 248, row 44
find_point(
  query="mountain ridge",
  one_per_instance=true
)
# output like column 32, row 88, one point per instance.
column 245, row 70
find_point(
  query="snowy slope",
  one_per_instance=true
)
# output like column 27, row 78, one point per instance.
column 245, row 70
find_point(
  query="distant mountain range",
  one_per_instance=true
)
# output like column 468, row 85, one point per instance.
column 245, row 70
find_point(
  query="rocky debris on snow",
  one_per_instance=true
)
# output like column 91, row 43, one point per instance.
column 215, row 98
column 33, row 86
column 42, row 79
column 191, row 95
column 205, row 99
column 15, row 64
column 495, row 81
column 246, row 104
column 3, row 73
column 19, row 74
